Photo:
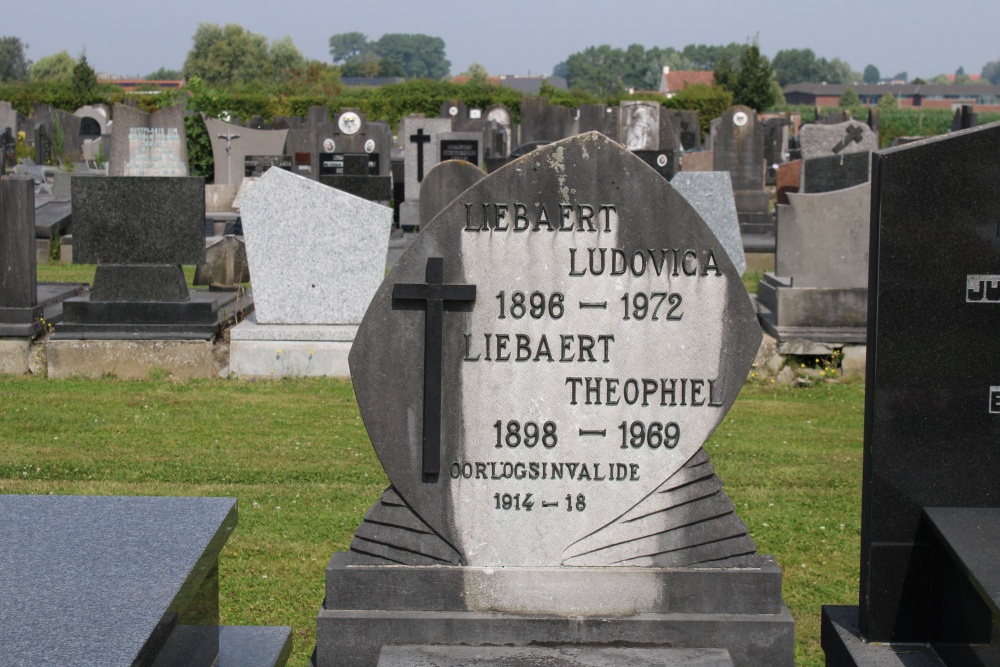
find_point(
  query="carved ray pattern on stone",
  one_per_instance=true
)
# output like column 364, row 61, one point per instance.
column 692, row 500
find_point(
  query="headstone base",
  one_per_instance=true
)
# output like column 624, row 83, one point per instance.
column 202, row 317
column 15, row 356
column 738, row 609
column 844, row 647
column 820, row 314
column 290, row 350
column 504, row 656
column 372, row 188
column 134, row 359
column 29, row 322
column 409, row 215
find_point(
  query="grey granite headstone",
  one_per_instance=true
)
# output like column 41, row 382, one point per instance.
column 687, row 122
column 821, row 140
column 166, row 121
column 599, row 118
column 738, row 148
column 421, row 151
column 710, row 193
column 446, row 181
column 232, row 143
column 537, row 374
column 834, row 172
column 467, row 146
column 462, row 656
column 541, row 121
column 316, row 254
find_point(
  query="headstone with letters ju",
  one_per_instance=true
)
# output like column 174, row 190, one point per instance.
column 538, row 374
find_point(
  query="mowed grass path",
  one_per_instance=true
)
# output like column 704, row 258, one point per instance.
column 296, row 455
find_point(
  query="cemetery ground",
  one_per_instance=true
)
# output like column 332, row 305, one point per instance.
column 297, row 457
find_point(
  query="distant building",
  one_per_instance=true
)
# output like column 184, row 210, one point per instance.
column 130, row 85
column 673, row 82
column 371, row 81
column 922, row 96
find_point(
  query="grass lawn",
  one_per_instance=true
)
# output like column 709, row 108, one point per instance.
column 296, row 455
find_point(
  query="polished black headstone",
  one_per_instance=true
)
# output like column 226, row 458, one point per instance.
column 17, row 243
column 835, row 172
column 932, row 417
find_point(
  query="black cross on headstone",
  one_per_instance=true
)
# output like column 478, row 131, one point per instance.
column 854, row 133
column 420, row 139
column 436, row 295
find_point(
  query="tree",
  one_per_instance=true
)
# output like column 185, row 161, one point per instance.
column 348, row 45
column 849, row 99
column 164, row 74
column 84, row 81
column 753, row 80
column 597, row 70
column 285, row 56
column 901, row 76
column 991, row 72
column 14, row 66
column 794, row 66
column 703, row 56
column 420, row 56
column 227, row 56
column 57, row 67
column 887, row 102
column 960, row 77
column 835, row 71
column 477, row 74
column 872, row 74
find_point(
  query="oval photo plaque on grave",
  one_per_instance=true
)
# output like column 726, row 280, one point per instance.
column 552, row 347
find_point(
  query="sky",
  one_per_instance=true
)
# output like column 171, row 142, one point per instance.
column 528, row 36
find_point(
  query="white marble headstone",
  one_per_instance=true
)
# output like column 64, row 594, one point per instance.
column 316, row 254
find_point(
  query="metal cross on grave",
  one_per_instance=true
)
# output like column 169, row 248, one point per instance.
column 229, row 136
column 420, row 139
column 854, row 134
column 437, row 298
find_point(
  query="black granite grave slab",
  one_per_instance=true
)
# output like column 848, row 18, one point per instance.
column 52, row 218
column 971, row 538
column 17, row 242
column 139, row 220
column 835, row 172
column 931, row 417
column 372, row 188
column 461, row 656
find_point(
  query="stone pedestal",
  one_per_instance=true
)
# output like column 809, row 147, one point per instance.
column 290, row 350
column 738, row 609
column 819, row 314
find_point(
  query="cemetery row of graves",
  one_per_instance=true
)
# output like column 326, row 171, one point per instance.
column 562, row 330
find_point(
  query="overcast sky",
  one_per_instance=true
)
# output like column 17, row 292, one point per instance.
column 526, row 36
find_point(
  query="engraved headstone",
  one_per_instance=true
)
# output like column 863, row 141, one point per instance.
column 932, row 413
column 164, row 124
column 538, row 373
column 446, row 181
column 232, row 143
column 834, row 172
column 421, row 151
column 640, row 125
column 155, row 151
column 739, row 149
column 541, row 121
column 466, row 146
column 822, row 140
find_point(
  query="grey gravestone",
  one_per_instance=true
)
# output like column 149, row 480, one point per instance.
column 834, row 172
column 964, row 118
column 502, row 116
column 598, row 118
column 98, row 117
column 316, row 254
column 256, row 165
column 232, row 143
column 639, row 125
column 499, row 467
column 8, row 149
column 446, row 181
column 421, row 152
column 821, row 140
column 686, row 120
column 739, row 149
column 139, row 230
column 72, row 146
column 8, row 117
column 462, row 656
column 142, row 574
column 819, row 288
column 126, row 119
column 541, row 121
column 44, row 149
column 710, row 193
column 466, row 146
column 155, row 151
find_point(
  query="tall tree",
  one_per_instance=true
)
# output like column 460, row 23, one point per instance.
column 794, row 66
column 753, row 86
column 84, row 81
column 420, row 56
column 285, row 56
column 164, row 74
column 348, row 45
column 597, row 70
column 226, row 56
column 57, row 67
column 872, row 75
column 14, row 66
column 704, row 56
column 991, row 72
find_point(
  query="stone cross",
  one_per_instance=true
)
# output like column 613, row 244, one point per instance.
column 420, row 139
column 435, row 295
column 854, row 134
column 229, row 136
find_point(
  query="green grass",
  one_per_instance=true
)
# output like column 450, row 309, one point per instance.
column 296, row 455
column 61, row 272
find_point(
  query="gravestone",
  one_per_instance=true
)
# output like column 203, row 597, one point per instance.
column 93, row 120
column 787, row 180
column 303, row 147
column 168, row 124
column 710, row 194
column 819, row 288
column 739, row 149
column 139, row 230
column 8, row 148
column 467, row 146
column 639, row 127
column 687, row 122
column 316, row 256
column 225, row 264
column 8, row 117
column 541, row 121
column 44, row 150
column 232, row 143
column 545, row 487
column 256, row 165
column 964, row 118
column 929, row 524
column 501, row 115
column 155, row 151
column 443, row 183
column 143, row 577
column 421, row 151
column 598, row 118
column 698, row 161
column 834, row 172
column 352, row 134
column 354, row 176
column 25, row 304
column 819, row 140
